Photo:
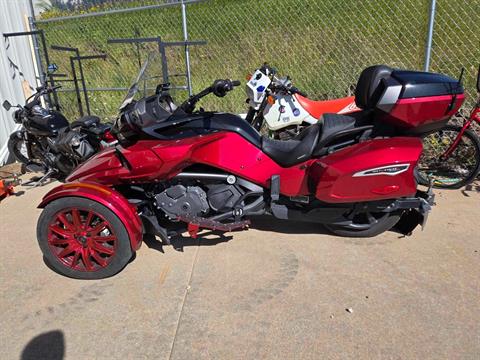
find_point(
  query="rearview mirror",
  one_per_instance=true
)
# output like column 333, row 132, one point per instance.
column 6, row 105
column 478, row 79
column 52, row 68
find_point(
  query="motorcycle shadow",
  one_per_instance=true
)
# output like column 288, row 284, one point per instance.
column 260, row 223
column 178, row 242
column 34, row 180
column 212, row 237
column 268, row 223
column 265, row 223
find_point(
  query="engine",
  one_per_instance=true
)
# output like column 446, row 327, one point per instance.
column 179, row 201
column 73, row 144
column 192, row 201
column 66, row 150
column 223, row 197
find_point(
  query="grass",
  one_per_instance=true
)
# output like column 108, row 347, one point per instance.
column 322, row 45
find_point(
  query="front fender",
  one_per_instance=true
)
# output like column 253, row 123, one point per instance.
column 17, row 135
column 113, row 200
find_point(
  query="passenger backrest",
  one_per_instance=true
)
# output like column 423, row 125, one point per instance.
column 369, row 86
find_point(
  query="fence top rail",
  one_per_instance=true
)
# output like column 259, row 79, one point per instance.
column 157, row 39
column 117, row 11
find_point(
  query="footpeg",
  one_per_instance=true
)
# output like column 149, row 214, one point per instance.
column 197, row 223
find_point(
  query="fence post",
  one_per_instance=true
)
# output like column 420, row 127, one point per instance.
column 428, row 48
column 187, row 51
column 36, row 47
column 32, row 9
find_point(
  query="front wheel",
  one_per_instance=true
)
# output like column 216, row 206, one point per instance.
column 17, row 146
column 460, row 168
column 82, row 239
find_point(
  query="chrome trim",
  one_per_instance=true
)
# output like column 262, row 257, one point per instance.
column 383, row 170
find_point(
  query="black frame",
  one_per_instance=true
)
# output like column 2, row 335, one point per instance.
column 478, row 79
column 43, row 79
column 162, row 45
column 75, row 79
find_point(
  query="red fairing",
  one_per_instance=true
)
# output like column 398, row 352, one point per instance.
column 109, row 198
column 352, row 174
column 105, row 161
column 151, row 160
column 318, row 108
column 415, row 112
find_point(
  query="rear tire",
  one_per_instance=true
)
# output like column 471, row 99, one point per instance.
column 385, row 223
column 82, row 239
column 459, row 169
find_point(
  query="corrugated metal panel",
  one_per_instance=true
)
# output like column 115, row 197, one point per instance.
column 16, row 65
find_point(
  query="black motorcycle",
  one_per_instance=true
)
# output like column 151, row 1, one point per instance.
column 48, row 143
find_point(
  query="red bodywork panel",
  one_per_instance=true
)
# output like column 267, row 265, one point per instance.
column 331, row 179
column 318, row 108
column 152, row 160
column 334, row 175
column 109, row 198
column 415, row 112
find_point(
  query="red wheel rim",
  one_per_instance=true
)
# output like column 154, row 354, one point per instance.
column 82, row 239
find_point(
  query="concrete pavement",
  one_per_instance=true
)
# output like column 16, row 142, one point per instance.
column 278, row 290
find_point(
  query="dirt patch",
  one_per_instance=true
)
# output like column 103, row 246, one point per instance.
column 7, row 171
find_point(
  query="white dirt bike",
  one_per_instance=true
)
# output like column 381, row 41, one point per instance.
column 280, row 110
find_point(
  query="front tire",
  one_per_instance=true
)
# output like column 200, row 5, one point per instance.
column 83, row 239
column 18, row 148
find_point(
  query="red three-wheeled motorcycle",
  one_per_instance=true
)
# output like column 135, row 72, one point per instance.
column 176, row 169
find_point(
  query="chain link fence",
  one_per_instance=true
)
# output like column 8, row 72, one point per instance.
column 456, row 44
column 321, row 44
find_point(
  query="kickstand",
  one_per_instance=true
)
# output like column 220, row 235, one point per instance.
column 431, row 182
column 41, row 181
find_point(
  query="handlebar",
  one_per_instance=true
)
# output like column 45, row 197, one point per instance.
column 219, row 88
column 294, row 90
column 282, row 84
column 288, row 88
column 41, row 90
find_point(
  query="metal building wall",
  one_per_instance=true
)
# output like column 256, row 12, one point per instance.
column 17, row 71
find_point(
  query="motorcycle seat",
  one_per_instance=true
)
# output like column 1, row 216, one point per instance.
column 317, row 108
column 334, row 123
column 85, row 121
column 336, row 126
column 288, row 153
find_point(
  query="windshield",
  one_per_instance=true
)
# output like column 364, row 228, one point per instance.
column 149, row 76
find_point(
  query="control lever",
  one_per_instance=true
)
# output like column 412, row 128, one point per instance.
column 294, row 90
column 219, row 88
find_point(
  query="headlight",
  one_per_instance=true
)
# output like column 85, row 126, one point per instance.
column 17, row 116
